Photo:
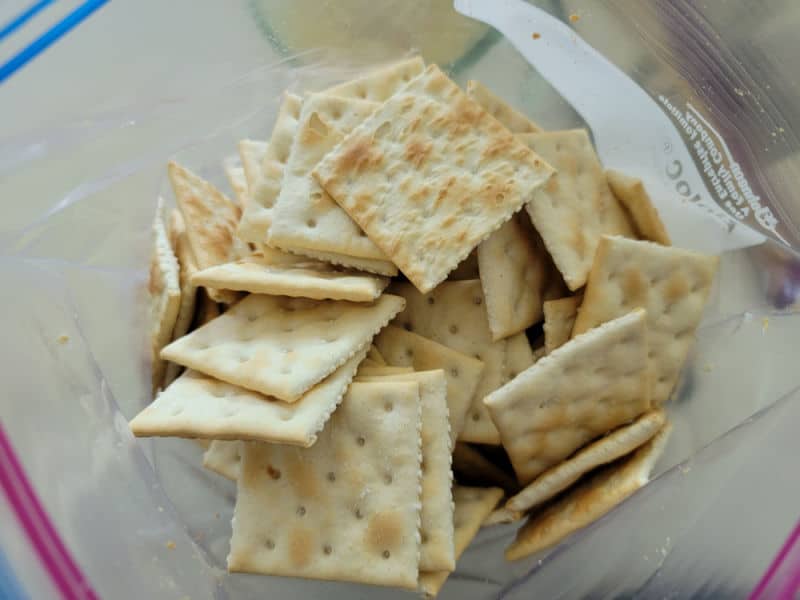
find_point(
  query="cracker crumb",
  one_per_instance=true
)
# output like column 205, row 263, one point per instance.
column 764, row 324
column 536, row 35
column 574, row 17
column 63, row 339
column 170, row 545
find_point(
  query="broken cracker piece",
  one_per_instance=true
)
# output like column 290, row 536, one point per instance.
column 633, row 196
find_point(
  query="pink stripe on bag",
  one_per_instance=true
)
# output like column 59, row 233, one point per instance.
column 782, row 579
column 54, row 556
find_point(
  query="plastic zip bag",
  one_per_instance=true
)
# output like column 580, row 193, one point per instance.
column 75, row 269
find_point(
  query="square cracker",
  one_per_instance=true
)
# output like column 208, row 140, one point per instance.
column 304, row 215
column 258, row 275
column 472, row 506
column 454, row 314
column 379, row 84
column 177, row 232
column 463, row 373
column 224, row 457
column 590, row 500
column 585, row 388
column 211, row 219
column 429, row 175
column 616, row 444
column 509, row 116
column 671, row 284
column 559, row 318
column 199, row 406
column 631, row 194
column 344, row 509
column 257, row 215
column 575, row 207
column 282, row 346
column 436, row 529
column 164, row 292
column 513, row 267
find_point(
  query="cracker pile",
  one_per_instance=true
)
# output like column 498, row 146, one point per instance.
column 350, row 336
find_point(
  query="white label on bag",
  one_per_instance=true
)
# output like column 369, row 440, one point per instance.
column 635, row 133
column 722, row 173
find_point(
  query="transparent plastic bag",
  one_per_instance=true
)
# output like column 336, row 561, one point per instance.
column 143, row 519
